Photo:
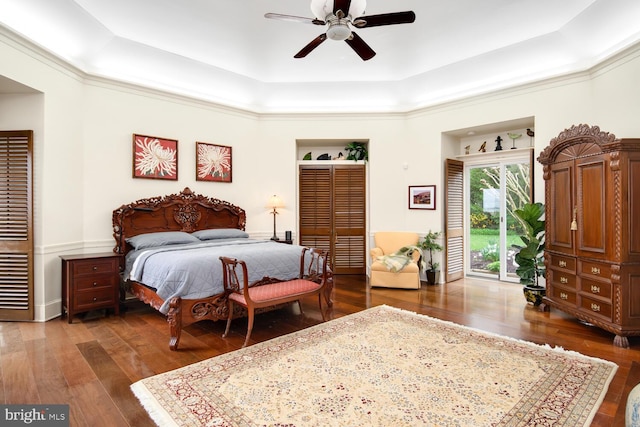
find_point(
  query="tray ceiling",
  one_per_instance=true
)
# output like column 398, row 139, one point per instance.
column 225, row 51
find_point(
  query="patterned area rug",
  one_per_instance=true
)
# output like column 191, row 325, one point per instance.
column 382, row 367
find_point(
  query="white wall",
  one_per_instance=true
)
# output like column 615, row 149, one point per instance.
column 84, row 128
column 56, row 120
column 115, row 112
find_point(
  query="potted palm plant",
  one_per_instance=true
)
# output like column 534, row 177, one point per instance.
column 530, row 256
column 429, row 243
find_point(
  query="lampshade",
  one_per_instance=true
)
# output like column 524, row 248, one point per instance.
column 275, row 202
column 323, row 8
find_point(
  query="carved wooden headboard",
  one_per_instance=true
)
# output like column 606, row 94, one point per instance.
column 185, row 211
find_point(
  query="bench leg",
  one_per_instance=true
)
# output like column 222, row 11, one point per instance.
column 249, row 327
column 328, row 288
column 320, row 305
column 229, row 318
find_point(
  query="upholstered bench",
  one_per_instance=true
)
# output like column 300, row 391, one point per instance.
column 269, row 292
column 277, row 293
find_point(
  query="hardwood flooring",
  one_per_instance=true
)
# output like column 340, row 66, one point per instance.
column 91, row 363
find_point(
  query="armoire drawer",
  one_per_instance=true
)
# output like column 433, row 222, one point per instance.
column 595, row 269
column 595, row 306
column 563, row 294
column 562, row 278
column 561, row 262
column 596, row 288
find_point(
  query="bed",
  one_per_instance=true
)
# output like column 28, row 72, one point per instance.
column 170, row 247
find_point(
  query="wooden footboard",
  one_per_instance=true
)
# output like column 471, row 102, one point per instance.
column 184, row 312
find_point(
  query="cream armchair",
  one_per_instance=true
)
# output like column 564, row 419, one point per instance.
column 386, row 243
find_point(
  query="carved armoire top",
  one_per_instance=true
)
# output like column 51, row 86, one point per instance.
column 577, row 141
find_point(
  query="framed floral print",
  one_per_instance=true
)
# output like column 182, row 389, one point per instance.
column 155, row 158
column 422, row 197
column 213, row 162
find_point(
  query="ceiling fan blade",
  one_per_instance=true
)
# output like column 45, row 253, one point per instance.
column 342, row 5
column 292, row 18
column 308, row 48
column 385, row 19
column 361, row 48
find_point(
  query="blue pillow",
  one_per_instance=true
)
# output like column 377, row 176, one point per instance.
column 220, row 233
column 162, row 238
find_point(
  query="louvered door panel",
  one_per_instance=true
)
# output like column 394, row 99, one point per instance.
column 315, row 206
column 454, row 220
column 349, row 219
column 16, row 224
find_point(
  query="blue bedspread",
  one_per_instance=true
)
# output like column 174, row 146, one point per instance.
column 194, row 271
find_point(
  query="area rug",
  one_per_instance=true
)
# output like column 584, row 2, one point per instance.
column 382, row 367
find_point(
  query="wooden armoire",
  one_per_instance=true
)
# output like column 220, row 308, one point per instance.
column 592, row 213
column 332, row 213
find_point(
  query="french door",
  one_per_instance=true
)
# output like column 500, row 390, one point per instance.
column 493, row 191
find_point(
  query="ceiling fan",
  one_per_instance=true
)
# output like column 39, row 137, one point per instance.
column 340, row 16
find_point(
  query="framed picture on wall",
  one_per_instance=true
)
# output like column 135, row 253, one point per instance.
column 422, row 197
column 155, row 158
column 213, row 162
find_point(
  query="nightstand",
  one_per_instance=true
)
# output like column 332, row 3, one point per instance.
column 90, row 282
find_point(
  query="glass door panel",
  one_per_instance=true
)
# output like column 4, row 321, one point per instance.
column 484, row 219
column 517, row 180
column 495, row 191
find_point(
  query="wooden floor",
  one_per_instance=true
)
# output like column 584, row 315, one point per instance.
column 91, row 363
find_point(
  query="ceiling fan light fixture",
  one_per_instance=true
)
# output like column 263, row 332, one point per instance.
column 321, row 9
column 339, row 30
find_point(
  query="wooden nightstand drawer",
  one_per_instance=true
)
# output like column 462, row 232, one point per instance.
column 101, row 298
column 94, row 266
column 90, row 282
column 99, row 281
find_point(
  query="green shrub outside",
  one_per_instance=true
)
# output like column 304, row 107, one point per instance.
column 481, row 238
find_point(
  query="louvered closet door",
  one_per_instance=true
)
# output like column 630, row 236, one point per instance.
column 315, row 206
column 349, row 219
column 332, row 212
column 16, row 225
column 454, row 220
